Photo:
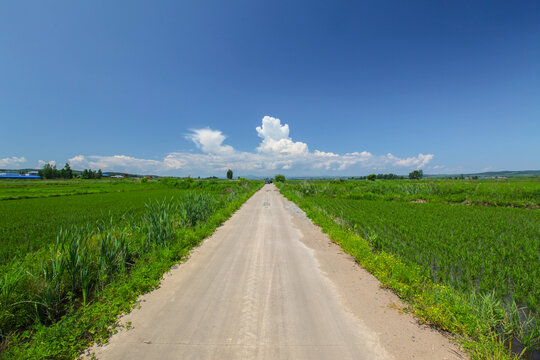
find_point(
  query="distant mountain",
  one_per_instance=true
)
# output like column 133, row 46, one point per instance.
column 506, row 173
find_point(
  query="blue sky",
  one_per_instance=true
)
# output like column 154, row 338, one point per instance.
column 293, row 87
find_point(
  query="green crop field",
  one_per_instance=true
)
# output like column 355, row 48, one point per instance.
column 29, row 224
column 33, row 220
column 28, row 189
column 481, row 239
column 74, row 250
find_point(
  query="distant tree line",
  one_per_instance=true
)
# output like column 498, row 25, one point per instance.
column 51, row 172
column 89, row 174
column 373, row 177
column 462, row 177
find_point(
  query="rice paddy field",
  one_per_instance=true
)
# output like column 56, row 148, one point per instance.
column 29, row 189
column 479, row 239
column 75, row 254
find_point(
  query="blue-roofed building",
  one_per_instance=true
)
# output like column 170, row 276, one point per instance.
column 18, row 176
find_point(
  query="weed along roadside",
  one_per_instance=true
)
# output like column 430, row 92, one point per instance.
column 471, row 270
column 56, row 301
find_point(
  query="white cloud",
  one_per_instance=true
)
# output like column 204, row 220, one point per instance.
column 120, row 162
column 209, row 141
column 42, row 163
column 276, row 138
column 13, row 161
column 325, row 154
column 419, row 161
column 276, row 152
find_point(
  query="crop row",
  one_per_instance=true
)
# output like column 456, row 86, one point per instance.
column 478, row 249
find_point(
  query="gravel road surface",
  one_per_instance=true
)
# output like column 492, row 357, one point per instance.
column 268, row 284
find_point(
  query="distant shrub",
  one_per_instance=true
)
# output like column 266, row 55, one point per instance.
column 416, row 175
column 280, row 178
column 243, row 181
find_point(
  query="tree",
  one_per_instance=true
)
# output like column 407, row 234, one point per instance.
column 66, row 172
column 90, row 174
column 229, row 174
column 49, row 172
column 280, row 178
column 371, row 177
column 416, row 175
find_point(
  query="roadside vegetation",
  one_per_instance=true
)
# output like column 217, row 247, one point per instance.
column 464, row 254
column 93, row 259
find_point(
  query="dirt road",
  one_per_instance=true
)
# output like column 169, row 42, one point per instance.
column 269, row 285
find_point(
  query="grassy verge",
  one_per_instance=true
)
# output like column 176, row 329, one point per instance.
column 477, row 322
column 78, row 302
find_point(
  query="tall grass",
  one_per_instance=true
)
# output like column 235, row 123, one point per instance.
column 158, row 223
column 195, row 208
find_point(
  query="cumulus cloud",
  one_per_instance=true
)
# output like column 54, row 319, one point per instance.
column 325, row 154
column 416, row 161
column 276, row 139
column 277, row 151
column 13, row 161
column 209, row 141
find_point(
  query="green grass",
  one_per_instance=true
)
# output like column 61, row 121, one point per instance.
column 471, row 270
column 66, row 293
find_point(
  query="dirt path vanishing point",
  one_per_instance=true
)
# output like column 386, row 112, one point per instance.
column 269, row 284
